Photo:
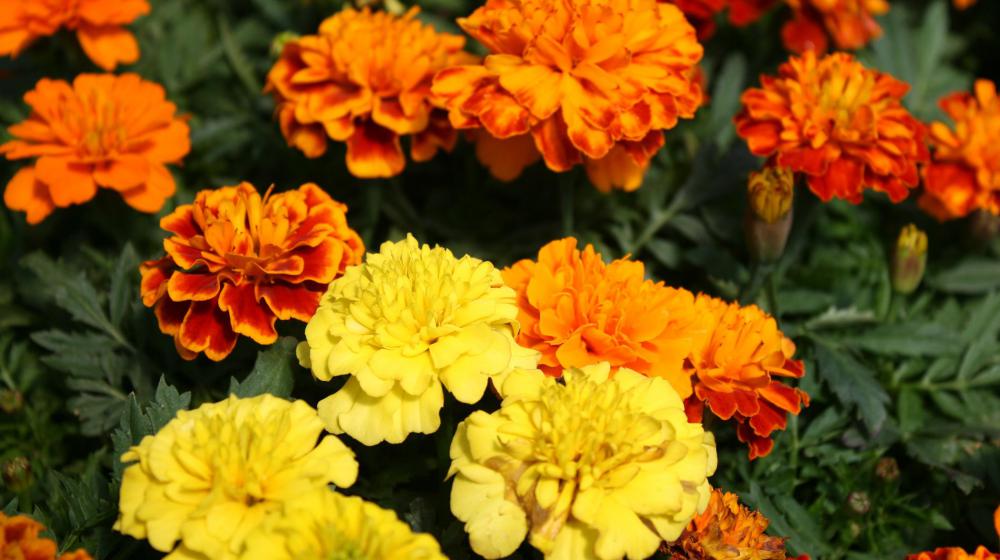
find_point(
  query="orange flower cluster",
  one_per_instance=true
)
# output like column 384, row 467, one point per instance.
column 591, row 82
column 840, row 124
column 964, row 174
column 98, row 25
column 726, row 529
column 849, row 23
column 735, row 368
column 115, row 132
column 19, row 540
column 576, row 310
column 365, row 80
column 237, row 262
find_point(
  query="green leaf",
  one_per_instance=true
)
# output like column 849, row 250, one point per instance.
column 122, row 280
column 916, row 338
column 854, row 384
column 138, row 422
column 272, row 372
column 974, row 275
column 725, row 103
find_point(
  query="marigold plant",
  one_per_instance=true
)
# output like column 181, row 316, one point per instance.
column 237, row 262
column 592, row 467
column 580, row 77
column 838, row 123
column 114, row 132
column 576, row 311
column 410, row 319
column 964, row 174
column 209, row 478
column 97, row 23
column 19, row 540
column 727, row 530
column 849, row 23
column 736, row 366
column 365, row 80
column 325, row 524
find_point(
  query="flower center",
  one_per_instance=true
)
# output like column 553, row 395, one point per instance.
column 98, row 126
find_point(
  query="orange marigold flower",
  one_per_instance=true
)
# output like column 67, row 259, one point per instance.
column 97, row 23
column 734, row 365
column 954, row 553
column 837, row 122
column 727, row 529
column 237, row 262
column 365, row 79
column 581, row 77
column 964, row 174
column 19, row 540
column 850, row 23
column 115, row 132
column 576, row 310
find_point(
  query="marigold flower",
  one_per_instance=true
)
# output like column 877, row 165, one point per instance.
column 19, row 540
column 576, row 310
column 408, row 320
column 733, row 369
column 325, row 524
column 954, row 553
column 580, row 77
column 207, row 480
column 837, row 122
column 97, row 23
column 727, row 529
column 702, row 13
column 365, row 80
column 964, row 174
column 850, row 23
column 596, row 467
column 769, row 215
column 236, row 263
column 115, row 132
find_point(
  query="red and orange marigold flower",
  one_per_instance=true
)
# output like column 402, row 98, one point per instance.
column 701, row 13
column 955, row 553
column 838, row 123
column 365, row 79
column 581, row 77
column 97, row 23
column 114, row 132
column 735, row 367
column 850, row 24
column 726, row 529
column 964, row 174
column 576, row 310
column 19, row 540
column 237, row 262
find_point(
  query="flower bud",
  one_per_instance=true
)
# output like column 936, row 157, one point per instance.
column 769, row 217
column 11, row 401
column 859, row 502
column 909, row 259
column 17, row 474
column 887, row 469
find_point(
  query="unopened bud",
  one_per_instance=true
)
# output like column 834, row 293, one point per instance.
column 909, row 259
column 769, row 218
column 859, row 502
column 17, row 474
column 11, row 401
column 887, row 469
column 280, row 40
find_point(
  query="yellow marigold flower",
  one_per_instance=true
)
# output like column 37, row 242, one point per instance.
column 581, row 77
column 211, row 475
column 327, row 525
column 590, row 468
column 408, row 320
column 727, row 530
column 365, row 80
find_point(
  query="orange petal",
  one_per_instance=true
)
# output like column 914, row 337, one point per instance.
column 69, row 182
column 247, row 315
column 535, row 87
column 183, row 286
column 170, row 315
column 122, row 173
column 290, row 302
column 206, row 329
column 28, row 195
column 151, row 195
column 169, row 145
column 506, row 158
column 373, row 151
column 551, row 140
column 389, row 114
column 108, row 46
column 617, row 170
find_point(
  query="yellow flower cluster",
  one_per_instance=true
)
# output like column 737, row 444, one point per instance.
column 594, row 467
column 410, row 319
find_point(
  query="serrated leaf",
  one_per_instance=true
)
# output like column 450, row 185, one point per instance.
column 854, row 384
column 272, row 372
column 975, row 275
column 122, row 280
column 916, row 338
column 137, row 421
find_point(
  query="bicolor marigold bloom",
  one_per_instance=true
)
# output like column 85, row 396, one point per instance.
column 237, row 262
column 365, row 80
column 410, row 319
column 727, row 529
column 954, row 553
column 580, row 77
column 849, row 23
column 209, row 478
column 838, row 123
column 325, row 524
column 576, row 310
column 19, row 540
column 595, row 467
column 735, row 368
column 97, row 23
column 114, row 132
column 964, row 174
